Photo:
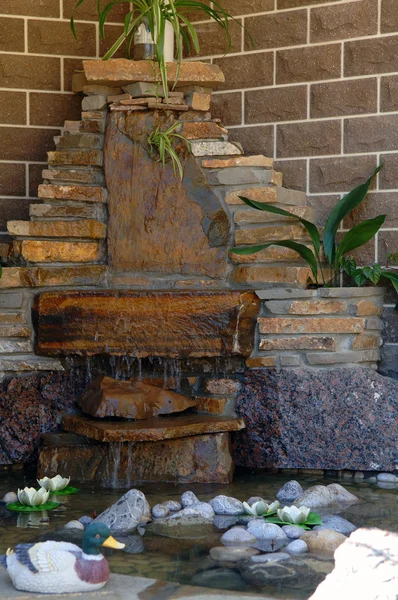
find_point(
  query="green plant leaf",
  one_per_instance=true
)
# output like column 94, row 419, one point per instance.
column 312, row 520
column 359, row 277
column 305, row 252
column 340, row 210
column 393, row 277
column 358, row 236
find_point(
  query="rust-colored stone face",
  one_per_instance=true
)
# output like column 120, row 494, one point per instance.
column 107, row 397
column 156, row 222
column 194, row 459
column 173, row 324
column 150, row 430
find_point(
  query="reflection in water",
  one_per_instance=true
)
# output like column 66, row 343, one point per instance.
column 187, row 560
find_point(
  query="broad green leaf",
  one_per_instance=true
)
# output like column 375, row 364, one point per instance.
column 359, row 277
column 358, row 236
column 305, row 252
column 341, row 210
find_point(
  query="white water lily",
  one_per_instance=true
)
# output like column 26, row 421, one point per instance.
column 261, row 508
column 54, row 484
column 31, row 497
column 293, row 514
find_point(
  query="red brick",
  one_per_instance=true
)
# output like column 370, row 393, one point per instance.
column 35, row 178
column 26, row 143
column 29, row 8
column 281, row 4
column 389, row 93
column 212, row 39
column 277, row 104
column 308, row 139
column 13, row 208
column 12, row 37
column 255, row 140
column 336, row 98
column 55, row 37
column 227, row 107
column 29, row 72
column 387, row 245
column 371, row 134
column 371, row 56
column 340, row 174
column 347, row 20
column 53, row 109
column 388, row 177
column 389, row 16
column 376, row 203
column 244, row 7
column 112, row 33
column 322, row 205
column 276, row 30
column 70, row 66
column 249, row 70
column 13, row 108
column 12, row 179
column 294, row 173
column 88, row 11
column 308, row 64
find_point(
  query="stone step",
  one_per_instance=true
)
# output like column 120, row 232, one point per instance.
column 244, row 176
column 332, row 324
column 64, row 229
column 12, row 318
column 34, row 277
column 251, row 215
column 203, row 130
column 65, row 175
column 263, row 235
column 240, row 161
column 264, row 275
column 14, row 331
column 73, row 192
column 15, row 347
column 150, row 430
column 41, row 251
column 79, row 140
column 214, row 148
column 78, row 157
column 271, row 195
column 41, row 212
column 269, row 255
column 85, row 126
column 29, row 362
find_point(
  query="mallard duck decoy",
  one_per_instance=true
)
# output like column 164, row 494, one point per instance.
column 61, row 567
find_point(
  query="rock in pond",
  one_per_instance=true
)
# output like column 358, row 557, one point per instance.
column 133, row 399
column 224, row 522
column 289, row 572
column 74, row 525
column 387, row 477
column 225, row 505
column 160, row 511
column 366, row 567
column 337, row 524
column 318, row 496
column 232, row 553
column 124, row 516
column 289, row 492
column 189, row 499
column 293, row 532
column 238, row 536
column 219, row 578
column 172, row 505
column 10, row 497
column 325, row 541
column 297, row 547
column 85, row 520
column 270, row 537
column 270, row 557
column 201, row 510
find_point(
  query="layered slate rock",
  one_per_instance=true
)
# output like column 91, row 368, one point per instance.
column 181, row 323
column 107, row 397
column 193, row 459
column 162, row 428
column 287, row 414
column 158, row 223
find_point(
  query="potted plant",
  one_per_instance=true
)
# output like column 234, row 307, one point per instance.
column 327, row 271
column 157, row 17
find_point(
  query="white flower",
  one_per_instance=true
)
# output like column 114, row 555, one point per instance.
column 32, row 497
column 261, row 508
column 54, row 484
column 292, row 514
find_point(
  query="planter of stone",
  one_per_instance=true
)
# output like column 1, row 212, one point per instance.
column 324, row 327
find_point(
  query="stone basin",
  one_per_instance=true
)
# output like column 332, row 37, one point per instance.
column 159, row 428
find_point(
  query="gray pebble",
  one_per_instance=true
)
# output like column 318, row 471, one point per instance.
column 189, row 499
column 297, row 547
column 289, row 492
column 275, row 557
column 10, row 497
column 173, row 505
column 225, row 505
column 293, row 532
column 223, row 522
column 237, row 536
column 86, row 520
column 160, row 511
column 387, row 478
column 74, row 525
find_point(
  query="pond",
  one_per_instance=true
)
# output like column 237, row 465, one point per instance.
column 186, row 559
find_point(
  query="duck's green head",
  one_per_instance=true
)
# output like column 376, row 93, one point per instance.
column 97, row 535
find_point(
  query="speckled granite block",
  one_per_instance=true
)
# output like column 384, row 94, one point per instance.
column 333, row 419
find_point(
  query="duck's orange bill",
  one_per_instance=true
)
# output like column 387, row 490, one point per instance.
column 110, row 542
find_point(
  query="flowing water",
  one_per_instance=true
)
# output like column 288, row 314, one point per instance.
column 186, row 559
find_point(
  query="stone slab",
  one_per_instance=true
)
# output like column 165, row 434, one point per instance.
column 317, row 420
column 193, row 459
column 81, row 193
column 214, row 148
column 14, row 277
column 88, row 228
column 66, row 175
column 240, row 161
column 46, row 251
column 182, row 324
column 272, row 194
column 251, row 215
column 150, row 430
column 120, row 71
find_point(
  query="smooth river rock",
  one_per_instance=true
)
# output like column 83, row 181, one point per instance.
column 132, row 399
column 289, row 492
column 270, row 537
column 325, row 541
column 225, row 505
column 232, row 553
column 319, row 496
column 189, row 499
column 238, row 536
column 337, row 524
column 124, row 516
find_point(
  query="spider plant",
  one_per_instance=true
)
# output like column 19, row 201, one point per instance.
column 334, row 251
column 162, row 142
column 158, row 13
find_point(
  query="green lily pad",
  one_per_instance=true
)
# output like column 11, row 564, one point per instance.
column 312, row 520
column 66, row 491
column 18, row 507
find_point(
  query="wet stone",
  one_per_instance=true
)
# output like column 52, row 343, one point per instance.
column 293, row 532
column 222, row 579
column 224, row 522
column 224, row 505
column 172, row 505
column 297, row 547
column 160, row 511
column 275, row 557
column 337, row 524
column 126, row 513
column 282, row 573
column 289, row 492
column 237, row 536
column 232, row 553
column 189, row 499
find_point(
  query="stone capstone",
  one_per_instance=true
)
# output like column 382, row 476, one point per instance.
column 127, row 513
column 366, row 567
column 275, row 408
column 132, row 399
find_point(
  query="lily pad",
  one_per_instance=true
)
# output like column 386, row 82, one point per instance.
column 18, row 507
column 66, row 491
column 312, row 520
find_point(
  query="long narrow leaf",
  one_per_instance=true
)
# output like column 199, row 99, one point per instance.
column 305, row 252
column 358, row 236
column 341, row 210
column 393, row 277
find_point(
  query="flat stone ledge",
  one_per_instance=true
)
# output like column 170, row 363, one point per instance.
column 119, row 71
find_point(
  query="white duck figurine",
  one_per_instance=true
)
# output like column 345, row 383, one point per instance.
column 61, row 567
